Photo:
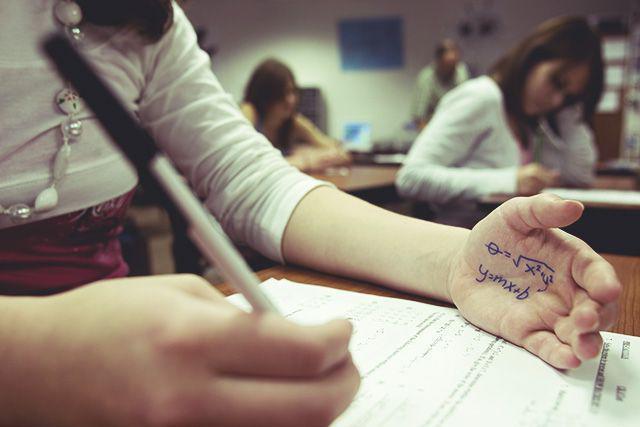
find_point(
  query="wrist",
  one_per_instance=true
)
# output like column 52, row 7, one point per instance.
column 454, row 261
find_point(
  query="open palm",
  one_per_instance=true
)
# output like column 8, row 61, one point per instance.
column 523, row 279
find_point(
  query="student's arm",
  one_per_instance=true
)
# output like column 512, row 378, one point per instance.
column 244, row 181
column 165, row 351
column 306, row 132
column 315, row 151
column 355, row 239
column 577, row 154
column 431, row 171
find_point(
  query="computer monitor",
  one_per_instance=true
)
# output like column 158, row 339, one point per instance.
column 357, row 136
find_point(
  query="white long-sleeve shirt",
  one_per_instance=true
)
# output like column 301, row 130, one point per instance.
column 468, row 149
column 169, row 85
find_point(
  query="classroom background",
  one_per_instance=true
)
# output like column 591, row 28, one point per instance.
column 310, row 38
column 305, row 35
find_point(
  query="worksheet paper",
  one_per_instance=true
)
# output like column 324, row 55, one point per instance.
column 423, row 365
column 619, row 197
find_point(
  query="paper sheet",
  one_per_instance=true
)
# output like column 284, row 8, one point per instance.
column 617, row 197
column 424, row 365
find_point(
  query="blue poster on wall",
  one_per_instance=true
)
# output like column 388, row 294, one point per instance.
column 372, row 43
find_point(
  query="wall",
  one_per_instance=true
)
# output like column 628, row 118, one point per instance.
column 303, row 33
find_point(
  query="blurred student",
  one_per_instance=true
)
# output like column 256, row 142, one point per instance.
column 270, row 103
column 170, row 351
column 436, row 79
column 520, row 129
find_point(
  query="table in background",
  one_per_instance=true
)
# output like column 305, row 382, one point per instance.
column 375, row 184
column 627, row 268
column 606, row 227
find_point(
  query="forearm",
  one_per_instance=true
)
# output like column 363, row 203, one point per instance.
column 440, row 184
column 336, row 233
column 298, row 161
column 18, row 333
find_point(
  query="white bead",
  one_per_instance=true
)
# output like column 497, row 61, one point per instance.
column 72, row 128
column 46, row 200
column 75, row 33
column 68, row 13
column 61, row 162
column 69, row 102
column 19, row 212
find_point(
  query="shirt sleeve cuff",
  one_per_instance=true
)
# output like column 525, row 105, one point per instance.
column 276, row 219
column 504, row 181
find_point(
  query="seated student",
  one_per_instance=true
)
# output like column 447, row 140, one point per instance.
column 436, row 79
column 518, row 130
column 270, row 103
column 169, row 350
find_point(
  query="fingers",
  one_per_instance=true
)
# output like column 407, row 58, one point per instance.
column 549, row 348
column 608, row 316
column 596, row 276
column 526, row 214
column 269, row 345
column 580, row 330
column 307, row 403
column 246, row 401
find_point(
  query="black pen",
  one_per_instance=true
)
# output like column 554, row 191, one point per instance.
column 155, row 170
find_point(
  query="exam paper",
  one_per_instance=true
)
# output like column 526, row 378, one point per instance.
column 423, row 365
column 597, row 196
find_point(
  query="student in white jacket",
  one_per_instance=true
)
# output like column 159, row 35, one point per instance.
column 518, row 130
column 169, row 350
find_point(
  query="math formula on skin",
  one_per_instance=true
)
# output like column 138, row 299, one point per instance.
column 538, row 269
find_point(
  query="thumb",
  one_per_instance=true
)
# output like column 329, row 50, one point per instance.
column 526, row 214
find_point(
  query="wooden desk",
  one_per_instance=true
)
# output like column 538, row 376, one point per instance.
column 607, row 227
column 375, row 184
column 628, row 269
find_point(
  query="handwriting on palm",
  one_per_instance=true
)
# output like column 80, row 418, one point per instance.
column 534, row 285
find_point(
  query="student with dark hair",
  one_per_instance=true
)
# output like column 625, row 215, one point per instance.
column 160, row 351
column 436, row 79
column 520, row 129
column 270, row 103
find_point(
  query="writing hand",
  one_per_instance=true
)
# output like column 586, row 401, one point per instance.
column 170, row 350
column 533, row 178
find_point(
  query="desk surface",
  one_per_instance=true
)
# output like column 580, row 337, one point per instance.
column 623, row 183
column 628, row 269
column 360, row 177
